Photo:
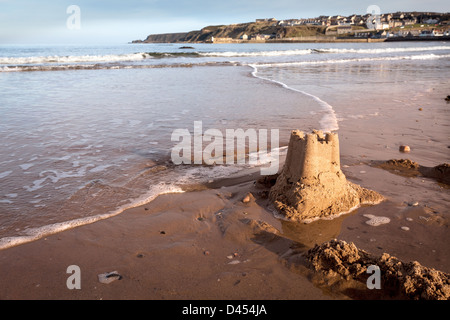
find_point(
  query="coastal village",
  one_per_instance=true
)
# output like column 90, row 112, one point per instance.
column 391, row 26
column 398, row 26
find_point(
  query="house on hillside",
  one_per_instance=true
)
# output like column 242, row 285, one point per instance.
column 266, row 20
column 343, row 29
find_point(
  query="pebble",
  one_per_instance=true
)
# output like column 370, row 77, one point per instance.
column 405, row 228
column 249, row 197
column 409, row 219
column 405, row 149
column 206, row 253
column 420, row 109
column 413, row 204
column 109, row 277
column 234, row 262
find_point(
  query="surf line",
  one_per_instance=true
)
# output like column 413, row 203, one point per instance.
column 328, row 122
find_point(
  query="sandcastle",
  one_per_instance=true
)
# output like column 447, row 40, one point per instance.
column 312, row 185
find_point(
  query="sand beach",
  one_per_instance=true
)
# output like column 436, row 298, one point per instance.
column 220, row 237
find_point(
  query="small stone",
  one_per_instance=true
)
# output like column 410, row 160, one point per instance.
column 206, row 253
column 230, row 257
column 409, row 219
column 413, row 204
column 405, row 228
column 140, row 255
column 247, row 198
column 420, row 109
column 405, row 149
column 162, row 232
column 109, row 277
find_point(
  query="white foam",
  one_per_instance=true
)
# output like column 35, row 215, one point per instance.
column 257, row 53
column 72, row 59
column 101, row 168
column 430, row 56
column 54, row 176
column 26, row 166
column 384, row 50
column 5, row 174
column 40, row 232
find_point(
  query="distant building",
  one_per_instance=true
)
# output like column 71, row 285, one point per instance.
column 266, row 20
column 344, row 29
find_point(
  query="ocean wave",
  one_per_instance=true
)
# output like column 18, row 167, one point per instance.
column 34, row 234
column 109, row 66
column 430, row 56
column 382, row 50
column 138, row 56
column 257, row 54
column 72, row 59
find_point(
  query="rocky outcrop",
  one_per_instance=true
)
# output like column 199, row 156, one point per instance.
column 311, row 184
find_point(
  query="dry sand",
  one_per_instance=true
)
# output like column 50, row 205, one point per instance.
column 208, row 244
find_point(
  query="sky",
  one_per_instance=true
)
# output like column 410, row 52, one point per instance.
column 114, row 21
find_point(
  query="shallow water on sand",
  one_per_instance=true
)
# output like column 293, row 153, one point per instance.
column 82, row 145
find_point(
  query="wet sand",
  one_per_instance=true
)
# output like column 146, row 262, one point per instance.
column 208, row 244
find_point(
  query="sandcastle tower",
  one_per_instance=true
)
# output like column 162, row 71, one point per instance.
column 311, row 184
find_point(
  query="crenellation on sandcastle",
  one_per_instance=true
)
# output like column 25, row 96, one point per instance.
column 310, row 154
column 311, row 184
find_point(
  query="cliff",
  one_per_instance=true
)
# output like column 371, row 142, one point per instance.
column 236, row 31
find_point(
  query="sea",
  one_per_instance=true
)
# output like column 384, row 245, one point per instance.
column 87, row 131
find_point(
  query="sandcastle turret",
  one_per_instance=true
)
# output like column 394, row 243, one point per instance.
column 311, row 184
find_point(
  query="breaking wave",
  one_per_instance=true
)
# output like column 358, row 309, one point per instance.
column 382, row 50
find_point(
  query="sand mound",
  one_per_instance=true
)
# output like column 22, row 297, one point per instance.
column 408, row 168
column 411, row 280
column 311, row 184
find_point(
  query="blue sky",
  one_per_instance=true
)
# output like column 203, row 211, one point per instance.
column 113, row 21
